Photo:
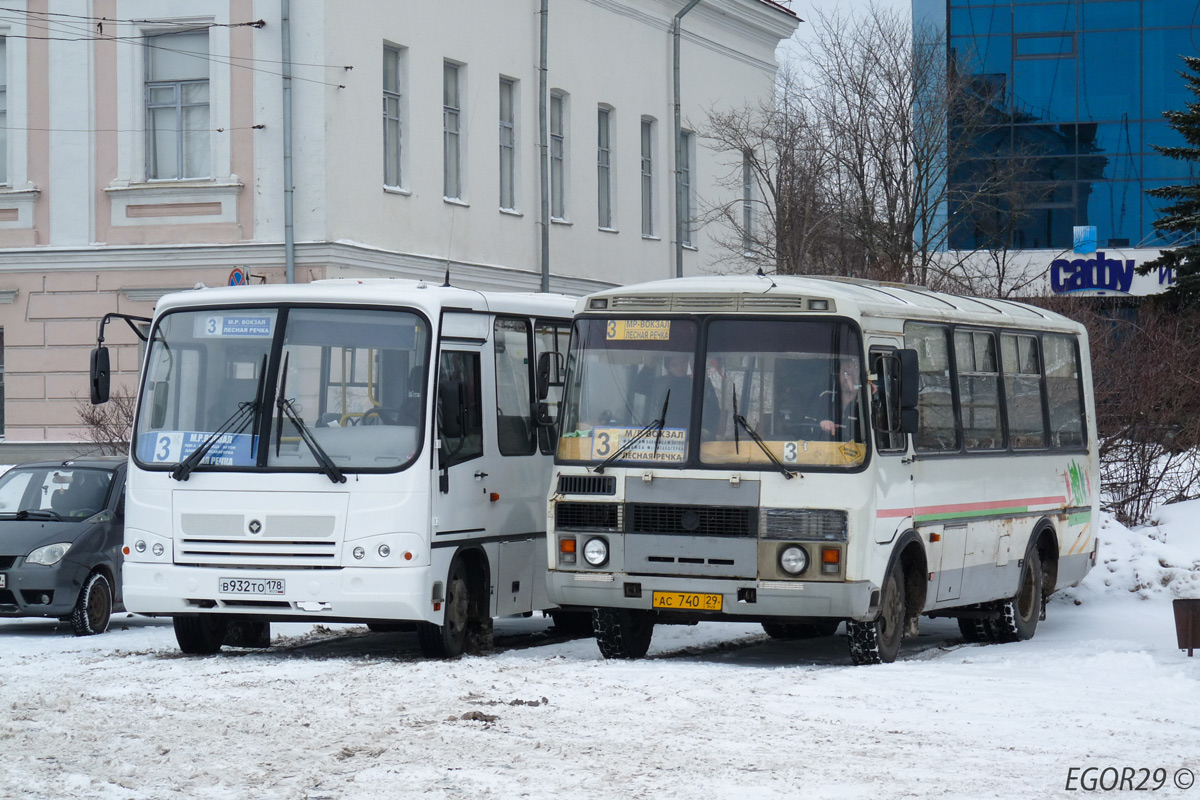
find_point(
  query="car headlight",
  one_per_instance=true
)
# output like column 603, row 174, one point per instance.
column 595, row 552
column 49, row 555
column 793, row 560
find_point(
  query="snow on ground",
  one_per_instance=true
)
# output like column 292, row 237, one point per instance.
column 717, row 710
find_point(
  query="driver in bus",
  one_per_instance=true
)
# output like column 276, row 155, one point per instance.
column 846, row 428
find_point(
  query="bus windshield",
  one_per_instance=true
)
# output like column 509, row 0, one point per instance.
column 348, row 382
column 766, row 390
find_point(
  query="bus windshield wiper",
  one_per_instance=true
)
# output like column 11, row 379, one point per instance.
column 285, row 409
column 740, row 422
column 655, row 425
column 237, row 422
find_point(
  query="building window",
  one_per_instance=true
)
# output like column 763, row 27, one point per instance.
column 684, row 201
column 647, row 177
column 603, row 169
column 558, row 156
column 508, row 144
column 3, row 130
column 392, row 131
column 747, row 205
column 177, row 126
column 452, row 132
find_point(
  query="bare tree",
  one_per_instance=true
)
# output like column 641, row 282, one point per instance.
column 852, row 167
column 108, row 426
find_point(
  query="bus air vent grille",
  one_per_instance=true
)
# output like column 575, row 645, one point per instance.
column 691, row 520
column 704, row 303
column 781, row 302
column 817, row 525
column 297, row 525
column 639, row 303
column 587, row 516
column 212, row 524
column 587, row 484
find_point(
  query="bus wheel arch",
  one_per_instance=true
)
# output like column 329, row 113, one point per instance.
column 1045, row 542
column 466, row 622
column 900, row 601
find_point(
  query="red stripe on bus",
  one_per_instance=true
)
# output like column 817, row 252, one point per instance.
column 961, row 507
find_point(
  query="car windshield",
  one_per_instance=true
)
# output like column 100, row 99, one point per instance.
column 796, row 385
column 258, row 387
column 66, row 493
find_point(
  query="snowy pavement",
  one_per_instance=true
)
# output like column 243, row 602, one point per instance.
column 717, row 711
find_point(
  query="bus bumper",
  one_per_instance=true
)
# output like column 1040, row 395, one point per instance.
column 344, row 594
column 740, row 599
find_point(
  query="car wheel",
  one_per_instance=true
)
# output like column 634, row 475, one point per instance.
column 93, row 609
column 201, row 635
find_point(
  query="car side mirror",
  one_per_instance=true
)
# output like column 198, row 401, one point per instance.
column 100, row 375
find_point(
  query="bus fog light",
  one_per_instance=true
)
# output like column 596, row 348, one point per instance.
column 595, row 552
column 359, row 553
column 793, row 560
column 157, row 549
column 384, row 551
column 140, row 546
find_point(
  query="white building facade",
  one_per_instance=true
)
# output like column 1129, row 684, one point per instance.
column 146, row 149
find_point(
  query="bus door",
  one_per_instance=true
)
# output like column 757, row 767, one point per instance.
column 894, row 462
column 460, row 461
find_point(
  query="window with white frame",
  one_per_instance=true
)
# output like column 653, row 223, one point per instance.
column 178, row 133
column 647, row 176
column 392, row 118
column 604, row 202
column 747, row 205
column 452, row 131
column 508, row 144
column 684, row 201
column 558, row 156
column 3, row 115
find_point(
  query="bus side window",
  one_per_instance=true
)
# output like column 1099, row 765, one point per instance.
column 551, row 337
column 514, row 396
column 461, row 427
column 937, row 431
column 1023, row 391
column 1063, row 391
column 885, row 402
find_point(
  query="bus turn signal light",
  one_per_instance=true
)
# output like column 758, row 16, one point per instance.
column 831, row 560
column 566, row 550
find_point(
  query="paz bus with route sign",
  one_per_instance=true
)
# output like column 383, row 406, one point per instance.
column 345, row 450
column 803, row 452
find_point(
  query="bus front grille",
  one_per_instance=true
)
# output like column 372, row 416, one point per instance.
column 587, row 484
column 587, row 516
column 247, row 552
column 691, row 520
column 806, row 524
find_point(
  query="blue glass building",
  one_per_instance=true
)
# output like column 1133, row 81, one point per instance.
column 1084, row 83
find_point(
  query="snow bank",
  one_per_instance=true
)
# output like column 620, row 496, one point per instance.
column 1161, row 559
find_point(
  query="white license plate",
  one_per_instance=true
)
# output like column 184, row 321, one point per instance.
column 3, row 581
column 251, row 585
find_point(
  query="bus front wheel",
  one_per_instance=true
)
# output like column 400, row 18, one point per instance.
column 201, row 634
column 622, row 632
column 448, row 639
column 878, row 641
column 1019, row 616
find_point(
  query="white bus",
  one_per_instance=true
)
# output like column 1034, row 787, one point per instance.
column 801, row 452
column 341, row 451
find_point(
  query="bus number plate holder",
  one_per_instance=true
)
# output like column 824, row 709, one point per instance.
column 251, row 585
column 687, row 601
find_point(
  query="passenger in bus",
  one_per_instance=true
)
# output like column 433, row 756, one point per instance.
column 678, row 382
column 846, row 427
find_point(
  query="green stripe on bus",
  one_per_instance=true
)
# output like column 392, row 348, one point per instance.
column 983, row 512
column 1082, row 518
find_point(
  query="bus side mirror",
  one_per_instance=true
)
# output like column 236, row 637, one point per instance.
column 452, row 409
column 910, row 385
column 100, row 375
column 544, row 417
column 549, row 372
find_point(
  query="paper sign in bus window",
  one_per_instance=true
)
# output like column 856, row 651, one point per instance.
column 630, row 330
column 670, row 446
column 234, row 325
column 171, row 447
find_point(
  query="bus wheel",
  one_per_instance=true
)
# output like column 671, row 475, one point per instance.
column 878, row 642
column 622, row 632
column 975, row 629
column 93, row 609
column 572, row 623
column 801, row 630
column 200, row 634
column 448, row 639
column 1019, row 616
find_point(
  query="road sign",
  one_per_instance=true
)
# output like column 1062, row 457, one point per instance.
column 238, row 277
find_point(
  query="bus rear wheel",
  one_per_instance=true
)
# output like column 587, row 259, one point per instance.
column 878, row 641
column 200, row 634
column 1019, row 616
column 622, row 632
column 448, row 639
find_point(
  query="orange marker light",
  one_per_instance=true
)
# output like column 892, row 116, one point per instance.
column 495, row 496
column 566, row 545
column 408, row 556
column 125, row 549
column 830, row 555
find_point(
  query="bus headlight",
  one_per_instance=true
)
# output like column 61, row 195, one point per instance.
column 793, row 560
column 595, row 552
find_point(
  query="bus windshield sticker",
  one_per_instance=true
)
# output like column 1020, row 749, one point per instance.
column 670, row 446
column 234, row 325
column 629, row 330
column 171, row 447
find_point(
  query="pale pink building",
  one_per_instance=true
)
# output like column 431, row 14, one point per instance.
column 143, row 152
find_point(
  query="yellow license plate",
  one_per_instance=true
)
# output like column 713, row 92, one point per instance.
column 687, row 601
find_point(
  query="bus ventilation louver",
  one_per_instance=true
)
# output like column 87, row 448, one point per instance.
column 704, row 303
column 817, row 525
column 587, row 516
column 587, row 484
column 691, row 520
column 639, row 303
column 777, row 302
